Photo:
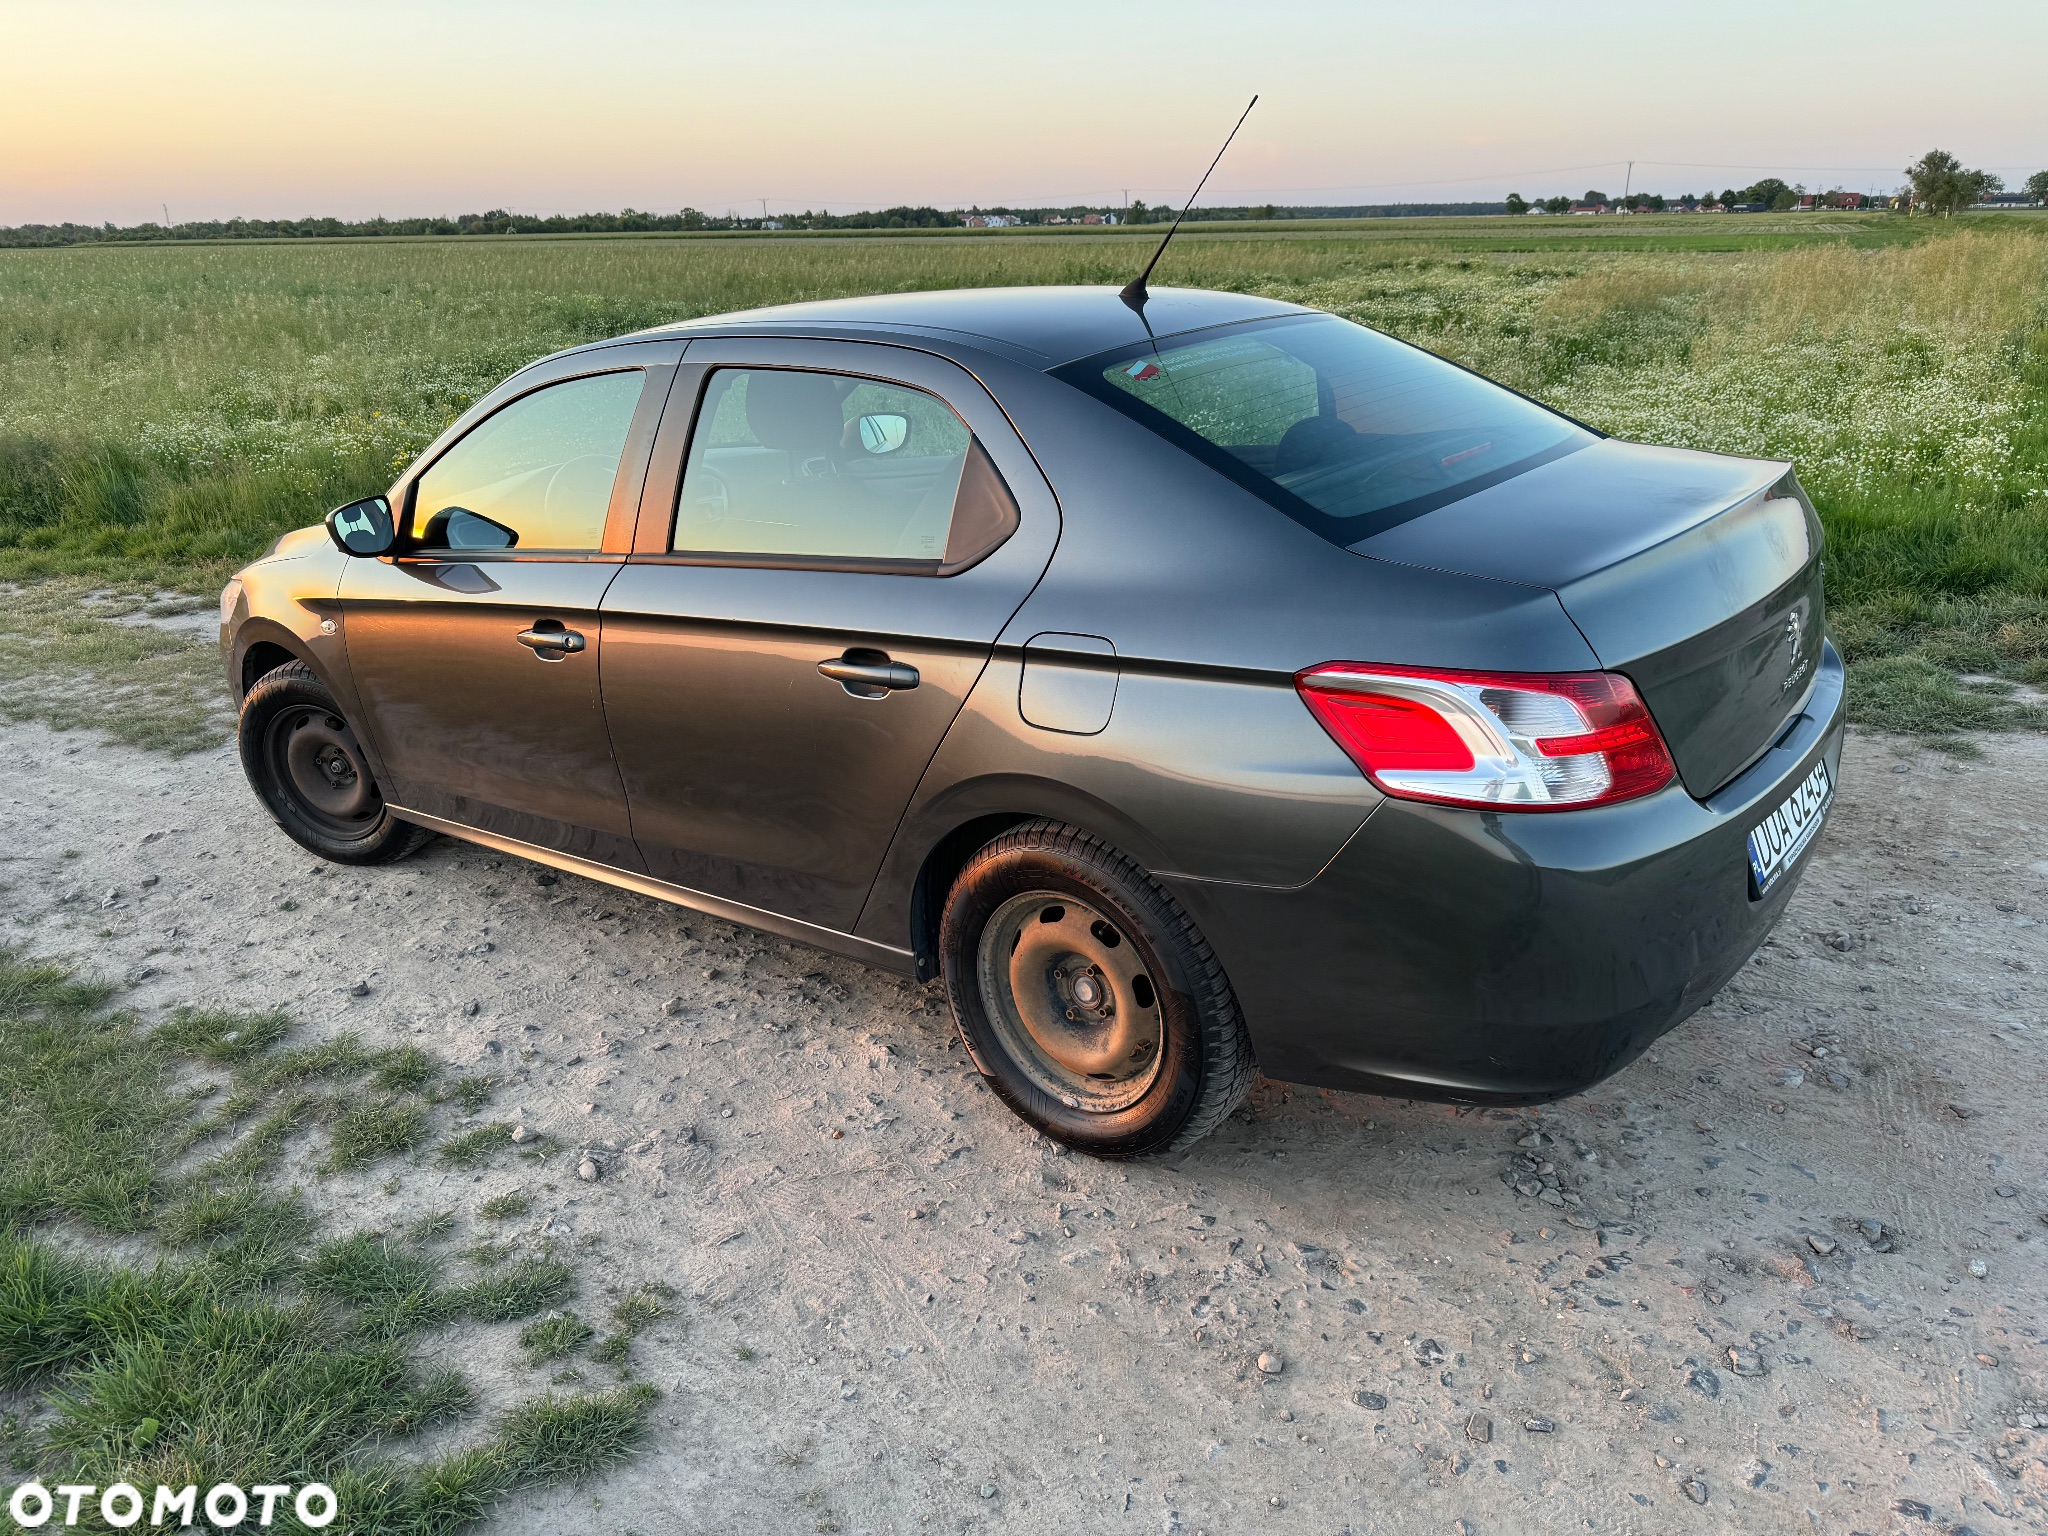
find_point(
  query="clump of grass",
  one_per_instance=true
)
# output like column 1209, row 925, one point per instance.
column 255, row 1346
column 343, row 1056
column 633, row 1314
column 248, row 1232
column 405, row 1070
column 258, row 1151
column 472, row 1093
column 506, row 1206
column 222, row 1039
column 554, row 1337
column 558, row 1438
column 519, row 1291
column 638, row 1309
column 398, row 1288
column 1938, row 667
column 372, row 1132
column 274, row 1085
column 476, row 1146
column 431, row 1227
column 366, row 1269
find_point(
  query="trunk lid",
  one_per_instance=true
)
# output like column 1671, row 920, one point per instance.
column 1695, row 575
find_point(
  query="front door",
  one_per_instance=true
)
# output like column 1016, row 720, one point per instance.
column 476, row 650
column 817, row 584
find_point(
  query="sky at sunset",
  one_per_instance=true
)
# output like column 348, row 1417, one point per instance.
column 111, row 110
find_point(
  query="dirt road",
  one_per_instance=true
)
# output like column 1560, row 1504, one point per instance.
column 1785, row 1273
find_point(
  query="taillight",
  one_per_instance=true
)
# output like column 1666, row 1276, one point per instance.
column 1510, row 741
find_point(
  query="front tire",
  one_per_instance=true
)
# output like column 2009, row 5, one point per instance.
column 305, row 764
column 1088, row 998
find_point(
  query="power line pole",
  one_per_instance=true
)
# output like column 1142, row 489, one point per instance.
column 1628, row 182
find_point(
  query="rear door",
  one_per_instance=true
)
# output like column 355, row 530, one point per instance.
column 475, row 648
column 832, row 536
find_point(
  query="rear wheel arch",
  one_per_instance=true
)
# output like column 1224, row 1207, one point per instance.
column 951, row 827
column 941, row 867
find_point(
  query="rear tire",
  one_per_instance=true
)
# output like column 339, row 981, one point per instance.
column 1087, row 997
column 308, row 769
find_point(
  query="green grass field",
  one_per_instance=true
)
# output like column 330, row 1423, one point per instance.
column 165, row 411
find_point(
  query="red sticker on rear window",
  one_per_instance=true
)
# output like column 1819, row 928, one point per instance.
column 1142, row 373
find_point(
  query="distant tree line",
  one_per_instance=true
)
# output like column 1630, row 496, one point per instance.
column 1935, row 183
column 688, row 220
column 1768, row 193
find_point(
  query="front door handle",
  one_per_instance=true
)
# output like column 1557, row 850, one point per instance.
column 549, row 635
column 869, row 674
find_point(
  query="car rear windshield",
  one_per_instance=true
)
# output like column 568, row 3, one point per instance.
column 1345, row 430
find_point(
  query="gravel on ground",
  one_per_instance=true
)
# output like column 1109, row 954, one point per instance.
column 1786, row 1272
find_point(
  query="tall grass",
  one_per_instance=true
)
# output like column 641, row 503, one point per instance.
column 166, row 411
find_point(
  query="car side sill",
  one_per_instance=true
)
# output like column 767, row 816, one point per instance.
column 885, row 956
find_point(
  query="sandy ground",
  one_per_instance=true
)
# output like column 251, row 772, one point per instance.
column 1784, row 1274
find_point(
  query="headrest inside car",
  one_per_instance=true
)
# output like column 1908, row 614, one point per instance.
column 795, row 412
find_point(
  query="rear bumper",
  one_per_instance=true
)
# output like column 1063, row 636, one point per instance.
column 1501, row 958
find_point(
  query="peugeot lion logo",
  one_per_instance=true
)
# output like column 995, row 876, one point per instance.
column 1794, row 627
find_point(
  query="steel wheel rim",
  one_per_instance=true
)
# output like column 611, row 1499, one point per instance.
column 1072, row 1001
column 319, row 766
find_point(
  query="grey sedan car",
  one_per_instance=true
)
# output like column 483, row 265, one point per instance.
column 1198, row 688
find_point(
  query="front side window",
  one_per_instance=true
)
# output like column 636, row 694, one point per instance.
column 805, row 465
column 1347, row 431
column 536, row 475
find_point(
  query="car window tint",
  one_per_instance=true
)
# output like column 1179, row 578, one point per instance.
column 1345, row 429
column 788, row 462
column 536, row 475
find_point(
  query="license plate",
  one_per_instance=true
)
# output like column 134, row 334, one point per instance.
column 1777, row 841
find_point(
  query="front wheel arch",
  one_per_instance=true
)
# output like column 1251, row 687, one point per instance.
column 309, row 771
column 262, row 657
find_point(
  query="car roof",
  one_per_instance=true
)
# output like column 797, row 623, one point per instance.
column 1045, row 326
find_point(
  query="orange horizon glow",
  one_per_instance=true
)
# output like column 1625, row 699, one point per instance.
column 110, row 109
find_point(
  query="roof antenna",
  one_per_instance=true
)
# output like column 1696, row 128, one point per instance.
column 1133, row 292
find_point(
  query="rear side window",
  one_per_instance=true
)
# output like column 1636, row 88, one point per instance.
column 1347, row 431
column 536, row 475
column 796, row 465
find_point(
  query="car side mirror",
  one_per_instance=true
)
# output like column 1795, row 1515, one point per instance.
column 363, row 527
column 884, row 433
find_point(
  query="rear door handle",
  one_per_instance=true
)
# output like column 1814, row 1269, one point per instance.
column 869, row 674
column 549, row 635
